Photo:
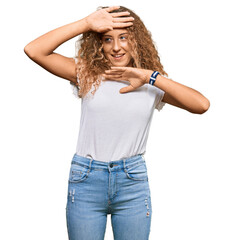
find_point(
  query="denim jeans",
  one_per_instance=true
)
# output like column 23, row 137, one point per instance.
column 119, row 188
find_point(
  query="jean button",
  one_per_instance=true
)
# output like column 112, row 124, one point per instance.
column 111, row 165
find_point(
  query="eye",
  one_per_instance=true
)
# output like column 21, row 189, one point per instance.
column 107, row 39
column 123, row 37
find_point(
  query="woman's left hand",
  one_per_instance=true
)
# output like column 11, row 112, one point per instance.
column 135, row 76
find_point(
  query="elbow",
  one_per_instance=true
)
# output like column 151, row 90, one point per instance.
column 28, row 51
column 203, row 107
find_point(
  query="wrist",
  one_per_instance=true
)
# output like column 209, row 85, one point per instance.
column 153, row 78
column 148, row 75
column 86, row 25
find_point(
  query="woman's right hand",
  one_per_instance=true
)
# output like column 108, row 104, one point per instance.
column 103, row 21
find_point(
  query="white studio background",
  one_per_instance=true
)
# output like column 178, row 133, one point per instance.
column 189, row 157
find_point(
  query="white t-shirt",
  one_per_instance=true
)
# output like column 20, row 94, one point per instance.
column 116, row 125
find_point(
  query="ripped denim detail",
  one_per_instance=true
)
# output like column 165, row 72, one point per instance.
column 147, row 207
column 72, row 194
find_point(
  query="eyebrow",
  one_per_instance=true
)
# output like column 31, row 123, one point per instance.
column 106, row 35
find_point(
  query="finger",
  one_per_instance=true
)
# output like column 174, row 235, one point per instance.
column 120, row 14
column 129, row 88
column 122, row 25
column 124, row 19
column 110, row 72
column 105, row 29
column 114, row 78
column 106, row 75
column 119, row 68
column 110, row 9
column 114, row 72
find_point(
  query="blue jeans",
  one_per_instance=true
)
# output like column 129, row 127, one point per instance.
column 119, row 188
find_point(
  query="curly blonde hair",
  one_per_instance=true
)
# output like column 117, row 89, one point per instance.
column 92, row 61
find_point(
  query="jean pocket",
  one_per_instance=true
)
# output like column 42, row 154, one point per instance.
column 137, row 171
column 78, row 173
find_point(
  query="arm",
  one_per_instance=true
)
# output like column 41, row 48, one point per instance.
column 41, row 50
column 180, row 95
column 176, row 94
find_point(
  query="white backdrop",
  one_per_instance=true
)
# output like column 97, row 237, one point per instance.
column 189, row 157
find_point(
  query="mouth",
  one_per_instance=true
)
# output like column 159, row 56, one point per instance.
column 117, row 56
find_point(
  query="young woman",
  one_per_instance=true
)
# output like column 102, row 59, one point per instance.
column 118, row 75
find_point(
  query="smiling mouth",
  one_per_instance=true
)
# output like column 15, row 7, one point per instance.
column 117, row 56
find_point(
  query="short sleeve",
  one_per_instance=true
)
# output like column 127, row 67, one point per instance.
column 75, row 89
column 158, row 99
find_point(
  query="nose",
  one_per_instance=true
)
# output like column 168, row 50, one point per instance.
column 116, row 46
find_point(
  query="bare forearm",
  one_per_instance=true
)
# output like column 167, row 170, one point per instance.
column 179, row 94
column 47, row 43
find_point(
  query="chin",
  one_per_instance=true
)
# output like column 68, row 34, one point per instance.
column 121, row 64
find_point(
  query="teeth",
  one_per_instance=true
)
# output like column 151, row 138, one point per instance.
column 118, row 55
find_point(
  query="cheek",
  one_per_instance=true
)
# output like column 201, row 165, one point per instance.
column 106, row 47
column 130, row 50
column 127, row 48
column 104, row 52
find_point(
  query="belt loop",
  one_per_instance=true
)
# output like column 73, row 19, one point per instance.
column 90, row 163
column 124, row 164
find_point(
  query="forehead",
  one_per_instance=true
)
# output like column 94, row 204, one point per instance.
column 115, row 32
